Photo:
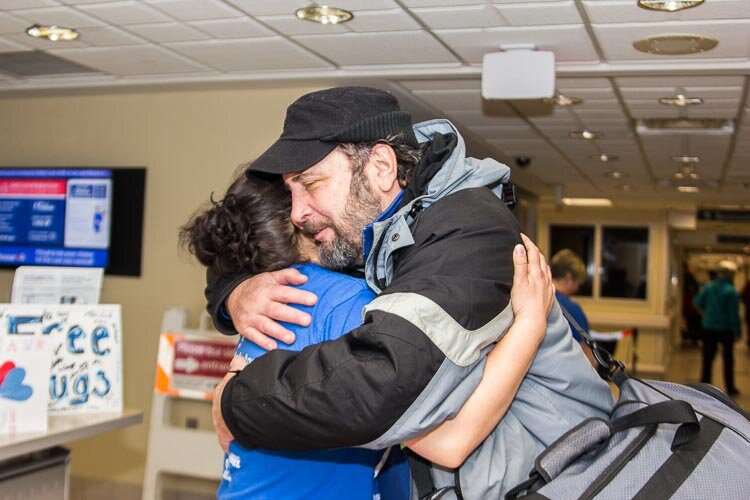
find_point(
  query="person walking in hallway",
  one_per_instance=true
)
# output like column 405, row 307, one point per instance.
column 746, row 302
column 719, row 303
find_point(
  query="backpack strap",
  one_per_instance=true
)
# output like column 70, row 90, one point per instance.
column 613, row 369
column 421, row 474
column 665, row 412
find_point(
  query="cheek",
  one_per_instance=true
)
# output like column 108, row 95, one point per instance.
column 330, row 202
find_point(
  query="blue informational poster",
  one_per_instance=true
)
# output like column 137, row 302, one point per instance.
column 55, row 217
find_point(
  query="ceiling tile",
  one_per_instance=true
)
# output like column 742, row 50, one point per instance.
column 269, row 7
column 255, row 54
column 132, row 60
column 616, row 40
column 441, row 3
column 706, row 93
column 12, row 24
column 360, row 5
column 530, row 14
column 109, row 35
column 195, row 10
column 25, row 4
column 473, row 118
column 504, row 133
column 58, row 16
column 382, row 20
column 290, row 25
column 354, row 49
column 680, row 81
column 463, row 84
column 232, row 28
column 564, row 83
column 11, row 46
column 569, row 43
column 288, row 7
column 124, row 13
column 522, row 146
column 589, row 103
column 80, row 2
column 627, row 11
column 713, row 113
column 471, row 16
column 168, row 32
column 452, row 100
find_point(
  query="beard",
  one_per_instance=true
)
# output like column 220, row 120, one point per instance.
column 345, row 249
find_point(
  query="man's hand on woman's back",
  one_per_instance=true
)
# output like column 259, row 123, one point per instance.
column 257, row 305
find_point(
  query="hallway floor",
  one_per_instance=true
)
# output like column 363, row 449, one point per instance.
column 685, row 367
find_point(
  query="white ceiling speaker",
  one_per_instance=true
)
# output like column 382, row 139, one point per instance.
column 518, row 72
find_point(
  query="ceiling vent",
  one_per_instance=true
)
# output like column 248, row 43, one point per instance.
column 684, row 126
column 37, row 63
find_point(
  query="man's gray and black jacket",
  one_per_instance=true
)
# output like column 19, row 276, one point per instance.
column 443, row 265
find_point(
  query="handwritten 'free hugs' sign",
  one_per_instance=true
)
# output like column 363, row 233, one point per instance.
column 86, row 345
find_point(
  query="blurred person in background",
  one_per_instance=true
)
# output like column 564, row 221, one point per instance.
column 719, row 303
column 746, row 302
column 568, row 273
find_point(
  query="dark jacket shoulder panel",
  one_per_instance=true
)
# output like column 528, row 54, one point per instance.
column 462, row 256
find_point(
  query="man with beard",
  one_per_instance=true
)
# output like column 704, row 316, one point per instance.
column 437, row 245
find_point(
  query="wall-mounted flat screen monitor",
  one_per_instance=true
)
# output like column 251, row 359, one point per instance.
column 79, row 217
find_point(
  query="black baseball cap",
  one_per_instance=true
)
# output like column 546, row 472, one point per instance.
column 317, row 122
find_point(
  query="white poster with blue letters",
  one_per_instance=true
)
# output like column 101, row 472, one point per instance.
column 86, row 345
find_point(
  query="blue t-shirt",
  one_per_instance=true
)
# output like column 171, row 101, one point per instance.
column 576, row 312
column 343, row 473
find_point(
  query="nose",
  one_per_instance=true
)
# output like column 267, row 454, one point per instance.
column 300, row 207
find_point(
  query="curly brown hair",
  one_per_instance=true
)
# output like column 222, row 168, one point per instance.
column 249, row 230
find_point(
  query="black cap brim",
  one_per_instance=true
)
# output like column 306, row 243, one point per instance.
column 285, row 156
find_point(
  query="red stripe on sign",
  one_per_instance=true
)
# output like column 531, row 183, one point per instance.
column 42, row 187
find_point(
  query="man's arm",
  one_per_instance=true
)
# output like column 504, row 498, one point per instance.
column 350, row 391
column 249, row 304
column 532, row 297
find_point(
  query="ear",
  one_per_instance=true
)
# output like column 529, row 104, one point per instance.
column 383, row 168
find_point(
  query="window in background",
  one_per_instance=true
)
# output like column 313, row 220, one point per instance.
column 579, row 239
column 624, row 262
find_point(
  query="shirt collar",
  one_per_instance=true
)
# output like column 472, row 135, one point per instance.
column 368, row 234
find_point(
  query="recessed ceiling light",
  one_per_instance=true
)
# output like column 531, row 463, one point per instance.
column 668, row 5
column 616, row 175
column 52, row 33
column 588, row 135
column 604, row 158
column 680, row 100
column 686, row 159
column 627, row 187
column 688, row 189
column 675, row 45
column 686, row 175
column 562, row 100
column 324, row 14
column 587, row 202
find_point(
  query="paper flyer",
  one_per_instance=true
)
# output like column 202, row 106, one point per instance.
column 24, row 384
column 86, row 352
column 57, row 285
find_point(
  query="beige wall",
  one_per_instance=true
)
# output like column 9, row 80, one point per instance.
column 190, row 142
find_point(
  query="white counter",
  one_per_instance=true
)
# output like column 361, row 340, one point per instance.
column 65, row 428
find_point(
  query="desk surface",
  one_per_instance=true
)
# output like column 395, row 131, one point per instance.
column 64, row 428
